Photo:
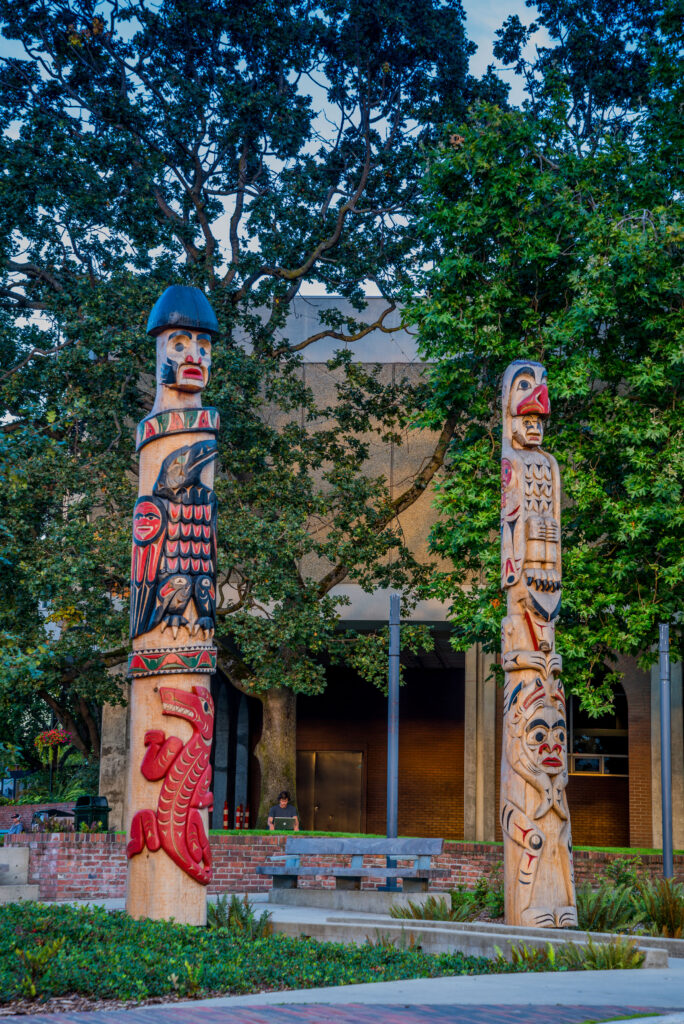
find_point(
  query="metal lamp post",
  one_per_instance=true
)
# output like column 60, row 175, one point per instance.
column 666, row 748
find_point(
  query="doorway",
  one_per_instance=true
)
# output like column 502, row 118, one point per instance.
column 330, row 790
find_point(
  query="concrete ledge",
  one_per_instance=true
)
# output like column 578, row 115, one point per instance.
column 15, row 893
column 14, row 866
column 365, row 901
column 444, row 937
column 673, row 947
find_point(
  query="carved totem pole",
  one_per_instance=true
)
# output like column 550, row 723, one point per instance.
column 173, row 611
column 538, row 874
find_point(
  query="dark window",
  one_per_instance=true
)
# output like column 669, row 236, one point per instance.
column 598, row 746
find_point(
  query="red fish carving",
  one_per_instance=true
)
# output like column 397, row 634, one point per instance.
column 176, row 826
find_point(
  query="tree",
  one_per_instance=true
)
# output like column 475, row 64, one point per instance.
column 557, row 233
column 246, row 148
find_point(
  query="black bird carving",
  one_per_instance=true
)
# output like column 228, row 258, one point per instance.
column 174, row 552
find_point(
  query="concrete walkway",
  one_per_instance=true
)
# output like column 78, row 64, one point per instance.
column 215, row 1012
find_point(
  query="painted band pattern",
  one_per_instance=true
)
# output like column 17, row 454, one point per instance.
column 170, row 660
column 176, row 421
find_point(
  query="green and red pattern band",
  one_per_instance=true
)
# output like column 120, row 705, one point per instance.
column 176, row 421
column 167, row 661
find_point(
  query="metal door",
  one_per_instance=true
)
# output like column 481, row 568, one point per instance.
column 330, row 789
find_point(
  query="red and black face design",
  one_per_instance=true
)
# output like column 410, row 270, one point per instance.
column 148, row 521
column 544, row 741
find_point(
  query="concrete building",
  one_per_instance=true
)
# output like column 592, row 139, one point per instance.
column 450, row 725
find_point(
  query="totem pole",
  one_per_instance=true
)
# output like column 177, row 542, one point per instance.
column 173, row 612
column 538, row 875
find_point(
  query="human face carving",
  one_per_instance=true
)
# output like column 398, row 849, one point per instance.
column 528, row 430
column 147, row 521
column 544, row 741
column 528, row 405
column 187, row 359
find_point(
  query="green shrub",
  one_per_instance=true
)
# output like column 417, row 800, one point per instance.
column 624, row 871
column 405, row 940
column 238, row 916
column 489, row 893
column 610, row 908
column 436, row 908
column 529, row 959
column 466, row 904
column 87, row 951
column 663, row 905
column 617, row 955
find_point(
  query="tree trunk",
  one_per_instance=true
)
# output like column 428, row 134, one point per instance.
column 276, row 751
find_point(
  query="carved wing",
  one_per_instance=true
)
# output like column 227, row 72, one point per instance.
column 149, row 533
column 556, row 485
column 213, row 502
column 512, row 522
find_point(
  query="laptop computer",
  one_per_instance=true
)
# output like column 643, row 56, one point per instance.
column 285, row 824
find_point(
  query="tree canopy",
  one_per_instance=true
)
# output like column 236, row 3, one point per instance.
column 557, row 233
column 248, row 149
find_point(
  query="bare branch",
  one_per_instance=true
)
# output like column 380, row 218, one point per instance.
column 32, row 270
column 377, row 325
column 42, row 352
column 22, row 301
column 327, row 243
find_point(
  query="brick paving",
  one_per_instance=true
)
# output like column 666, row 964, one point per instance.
column 352, row 1013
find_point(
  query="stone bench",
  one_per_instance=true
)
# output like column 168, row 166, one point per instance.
column 415, row 875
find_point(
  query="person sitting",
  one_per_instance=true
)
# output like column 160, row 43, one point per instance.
column 283, row 809
column 16, row 826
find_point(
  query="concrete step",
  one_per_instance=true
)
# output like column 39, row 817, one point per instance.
column 15, row 893
column 673, row 947
column 365, row 901
column 439, row 939
column 14, row 865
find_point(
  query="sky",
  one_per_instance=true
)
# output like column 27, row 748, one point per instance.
column 483, row 18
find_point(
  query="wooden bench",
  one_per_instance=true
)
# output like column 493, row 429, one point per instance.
column 415, row 875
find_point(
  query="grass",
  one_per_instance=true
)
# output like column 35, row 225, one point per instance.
column 56, row 951
column 302, row 832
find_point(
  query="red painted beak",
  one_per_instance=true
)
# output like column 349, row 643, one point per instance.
column 538, row 401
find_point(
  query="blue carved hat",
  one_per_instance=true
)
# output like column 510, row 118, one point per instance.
column 182, row 306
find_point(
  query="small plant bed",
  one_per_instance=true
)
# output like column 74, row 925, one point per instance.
column 485, row 902
column 54, row 956
column 624, row 901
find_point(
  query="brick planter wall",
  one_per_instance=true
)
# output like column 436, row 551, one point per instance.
column 25, row 811
column 69, row 866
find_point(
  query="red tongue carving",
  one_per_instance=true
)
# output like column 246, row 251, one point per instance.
column 538, row 401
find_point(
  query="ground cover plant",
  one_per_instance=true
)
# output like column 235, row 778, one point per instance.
column 55, row 951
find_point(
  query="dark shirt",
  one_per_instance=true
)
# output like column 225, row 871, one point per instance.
column 283, row 812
